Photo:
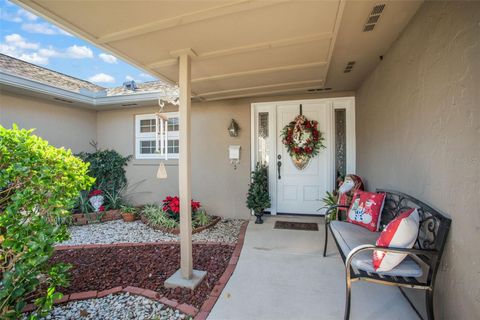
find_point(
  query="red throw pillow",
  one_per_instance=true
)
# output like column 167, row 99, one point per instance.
column 366, row 209
column 401, row 232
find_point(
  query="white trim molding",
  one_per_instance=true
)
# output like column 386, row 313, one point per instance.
column 347, row 103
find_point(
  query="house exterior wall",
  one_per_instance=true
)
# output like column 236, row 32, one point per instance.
column 221, row 189
column 418, row 131
column 61, row 125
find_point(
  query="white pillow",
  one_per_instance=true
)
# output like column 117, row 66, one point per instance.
column 401, row 232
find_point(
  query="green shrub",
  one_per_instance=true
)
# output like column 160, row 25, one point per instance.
column 157, row 217
column 107, row 167
column 38, row 187
column 201, row 218
column 114, row 199
column 82, row 204
column 258, row 198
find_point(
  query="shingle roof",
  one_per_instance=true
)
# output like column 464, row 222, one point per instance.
column 33, row 72
column 30, row 71
column 142, row 87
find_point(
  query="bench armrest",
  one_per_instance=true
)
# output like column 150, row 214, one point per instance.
column 370, row 247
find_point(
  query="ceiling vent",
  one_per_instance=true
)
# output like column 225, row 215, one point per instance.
column 129, row 104
column 319, row 89
column 373, row 18
column 62, row 100
column 349, row 67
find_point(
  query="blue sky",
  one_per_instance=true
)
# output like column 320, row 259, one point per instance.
column 33, row 39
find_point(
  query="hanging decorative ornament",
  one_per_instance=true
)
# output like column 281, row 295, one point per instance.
column 169, row 95
column 302, row 140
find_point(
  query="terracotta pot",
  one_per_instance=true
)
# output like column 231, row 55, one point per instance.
column 128, row 217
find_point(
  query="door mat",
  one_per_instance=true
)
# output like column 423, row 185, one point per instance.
column 288, row 225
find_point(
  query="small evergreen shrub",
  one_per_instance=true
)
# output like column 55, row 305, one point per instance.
column 258, row 198
column 38, row 187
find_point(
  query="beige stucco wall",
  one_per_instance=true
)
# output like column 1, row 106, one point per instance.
column 418, row 131
column 61, row 125
column 221, row 189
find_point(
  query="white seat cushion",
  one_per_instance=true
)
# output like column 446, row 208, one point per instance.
column 350, row 236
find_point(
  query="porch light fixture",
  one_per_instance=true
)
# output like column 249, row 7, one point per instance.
column 233, row 129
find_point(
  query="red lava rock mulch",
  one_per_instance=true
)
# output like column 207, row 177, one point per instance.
column 145, row 267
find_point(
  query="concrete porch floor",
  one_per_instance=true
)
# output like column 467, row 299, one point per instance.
column 281, row 274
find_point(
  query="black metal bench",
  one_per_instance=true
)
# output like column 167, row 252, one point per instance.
column 427, row 250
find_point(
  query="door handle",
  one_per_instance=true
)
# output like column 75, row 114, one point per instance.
column 279, row 165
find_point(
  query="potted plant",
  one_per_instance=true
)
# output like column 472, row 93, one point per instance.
column 128, row 213
column 258, row 198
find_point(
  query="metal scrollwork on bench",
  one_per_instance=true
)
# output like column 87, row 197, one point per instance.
column 396, row 203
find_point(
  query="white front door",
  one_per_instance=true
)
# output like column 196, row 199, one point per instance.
column 300, row 191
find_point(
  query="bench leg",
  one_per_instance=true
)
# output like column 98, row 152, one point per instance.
column 429, row 303
column 326, row 238
column 348, row 287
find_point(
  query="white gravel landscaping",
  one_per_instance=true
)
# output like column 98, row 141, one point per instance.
column 226, row 231
column 117, row 306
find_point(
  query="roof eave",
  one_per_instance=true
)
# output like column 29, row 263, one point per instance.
column 85, row 97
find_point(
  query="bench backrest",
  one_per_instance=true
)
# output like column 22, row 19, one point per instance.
column 434, row 226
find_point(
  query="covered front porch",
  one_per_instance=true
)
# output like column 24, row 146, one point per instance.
column 281, row 274
column 413, row 70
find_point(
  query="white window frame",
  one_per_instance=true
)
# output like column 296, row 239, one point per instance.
column 148, row 136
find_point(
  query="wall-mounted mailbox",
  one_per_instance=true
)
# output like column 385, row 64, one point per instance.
column 234, row 155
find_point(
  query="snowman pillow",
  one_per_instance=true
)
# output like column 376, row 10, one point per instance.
column 366, row 209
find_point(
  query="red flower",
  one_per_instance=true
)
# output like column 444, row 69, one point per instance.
column 96, row 192
column 195, row 205
column 102, row 208
column 172, row 204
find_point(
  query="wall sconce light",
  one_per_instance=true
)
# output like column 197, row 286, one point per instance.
column 233, row 129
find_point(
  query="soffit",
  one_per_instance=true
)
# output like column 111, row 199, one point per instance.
column 240, row 48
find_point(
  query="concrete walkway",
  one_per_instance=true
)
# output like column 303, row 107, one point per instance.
column 281, row 274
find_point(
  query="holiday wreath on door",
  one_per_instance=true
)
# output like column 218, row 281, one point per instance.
column 302, row 139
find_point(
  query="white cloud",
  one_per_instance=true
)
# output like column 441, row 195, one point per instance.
column 7, row 16
column 108, row 58
column 18, row 47
column 18, row 41
column 26, row 14
column 101, row 78
column 79, row 52
column 129, row 78
column 43, row 28
column 146, row 76
column 34, row 58
column 9, row 50
column 49, row 52
column 19, row 16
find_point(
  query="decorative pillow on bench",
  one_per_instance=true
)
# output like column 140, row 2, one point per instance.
column 366, row 209
column 401, row 232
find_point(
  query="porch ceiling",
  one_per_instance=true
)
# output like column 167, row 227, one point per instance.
column 239, row 48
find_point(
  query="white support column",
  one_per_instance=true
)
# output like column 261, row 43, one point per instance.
column 185, row 277
column 184, row 168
